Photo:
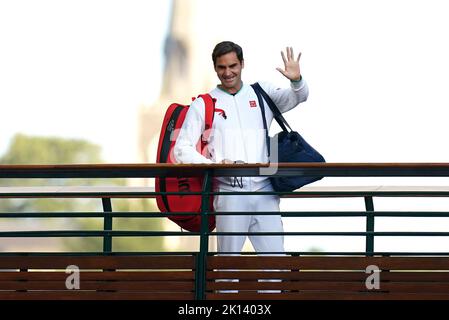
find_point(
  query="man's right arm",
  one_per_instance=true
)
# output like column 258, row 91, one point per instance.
column 189, row 135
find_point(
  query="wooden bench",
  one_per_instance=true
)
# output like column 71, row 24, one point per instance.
column 43, row 277
column 326, row 278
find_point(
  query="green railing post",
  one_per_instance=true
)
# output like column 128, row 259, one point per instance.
column 200, row 281
column 107, row 224
column 369, row 206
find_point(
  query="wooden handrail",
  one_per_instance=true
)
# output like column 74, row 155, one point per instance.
column 349, row 165
column 249, row 169
column 147, row 192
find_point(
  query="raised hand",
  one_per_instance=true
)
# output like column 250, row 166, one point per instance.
column 291, row 65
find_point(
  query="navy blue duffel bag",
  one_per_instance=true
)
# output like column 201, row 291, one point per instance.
column 291, row 146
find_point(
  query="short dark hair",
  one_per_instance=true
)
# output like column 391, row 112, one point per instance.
column 225, row 47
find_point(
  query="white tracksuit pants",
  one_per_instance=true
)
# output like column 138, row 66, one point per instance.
column 248, row 223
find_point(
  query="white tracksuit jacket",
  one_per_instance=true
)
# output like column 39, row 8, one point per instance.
column 238, row 133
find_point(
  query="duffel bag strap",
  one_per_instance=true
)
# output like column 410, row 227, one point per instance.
column 276, row 113
column 261, row 95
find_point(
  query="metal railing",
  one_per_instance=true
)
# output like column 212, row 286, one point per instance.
column 208, row 172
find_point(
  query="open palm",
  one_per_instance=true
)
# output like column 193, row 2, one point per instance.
column 291, row 65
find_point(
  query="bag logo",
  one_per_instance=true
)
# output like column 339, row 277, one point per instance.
column 221, row 113
column 183, row 185
column 252, row 103
column 171, row 125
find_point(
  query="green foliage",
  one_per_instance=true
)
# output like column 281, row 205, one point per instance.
column 123, row 224
column 26, row 149
column 137, row 224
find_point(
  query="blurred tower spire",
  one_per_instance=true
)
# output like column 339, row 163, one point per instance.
column 176, row 48
column 187, row 72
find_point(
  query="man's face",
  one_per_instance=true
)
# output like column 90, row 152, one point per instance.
column 229, row 71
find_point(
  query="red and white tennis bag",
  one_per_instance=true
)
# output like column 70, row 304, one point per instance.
column 173, row 120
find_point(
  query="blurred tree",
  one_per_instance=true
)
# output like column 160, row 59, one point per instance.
column 149, row 224
column 26, row 149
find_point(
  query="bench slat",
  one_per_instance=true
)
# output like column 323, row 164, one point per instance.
column 149, row 286
column 317, row 295
column 98, row 262
column 336, row 286
column 328, row 276
column 328, row 263
column 93, row 295
column 99, row 275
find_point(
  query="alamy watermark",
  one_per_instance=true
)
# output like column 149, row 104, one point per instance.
column 72, row 282
column 219, row 138
column 373, row 280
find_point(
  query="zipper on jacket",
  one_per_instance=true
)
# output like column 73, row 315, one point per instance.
column 243, row 141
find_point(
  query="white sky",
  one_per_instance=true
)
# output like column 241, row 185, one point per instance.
column 377, row 71
column 80, row 69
